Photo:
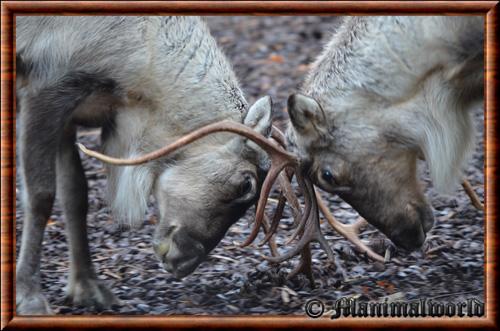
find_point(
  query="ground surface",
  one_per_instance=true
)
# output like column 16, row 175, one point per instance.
column 270, row 55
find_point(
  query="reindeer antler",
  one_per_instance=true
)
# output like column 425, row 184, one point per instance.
column 307, row 223
column 222, row 126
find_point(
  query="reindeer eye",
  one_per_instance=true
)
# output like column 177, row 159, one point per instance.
column 327, row 176
column 329, row 182
column 246, row 186
column 246, row 190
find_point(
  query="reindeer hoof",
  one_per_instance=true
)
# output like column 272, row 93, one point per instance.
column 91, row 293
column 33, row 304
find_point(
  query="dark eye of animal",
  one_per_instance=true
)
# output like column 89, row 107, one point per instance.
column 246, row 186
column 327, row 176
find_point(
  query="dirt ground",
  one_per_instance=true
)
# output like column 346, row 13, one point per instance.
column 270, row 56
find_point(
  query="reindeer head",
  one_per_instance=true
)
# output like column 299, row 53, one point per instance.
column 355, row 155
column 203, row 194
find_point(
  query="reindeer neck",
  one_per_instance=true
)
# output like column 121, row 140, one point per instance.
column 190, row 84
column 381, row 59
column 197, row 84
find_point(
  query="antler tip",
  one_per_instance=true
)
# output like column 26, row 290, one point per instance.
column 82, row 148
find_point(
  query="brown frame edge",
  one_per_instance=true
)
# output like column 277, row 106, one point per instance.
column 11, row 8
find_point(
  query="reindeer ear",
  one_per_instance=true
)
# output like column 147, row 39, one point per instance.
column 259, row 116
column 305, row 113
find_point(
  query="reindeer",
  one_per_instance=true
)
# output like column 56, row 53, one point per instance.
column 146, row 81
column 385, row 92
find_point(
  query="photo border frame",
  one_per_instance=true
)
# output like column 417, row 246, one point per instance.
column 9, row 9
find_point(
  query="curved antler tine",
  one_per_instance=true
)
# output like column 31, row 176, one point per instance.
column 348, row 232
column 276, row 218
column 308, row 235
column 279, row 136
column 307, row 209
column 315, row 227
column 476, row 202
column 304, row 266
column 286, row 194
column 304, row 240
column 311, row 233
column 302, row 224
column 261, row 204
column 310, row 229
column 291, row 197
column 272, row 244
column 322, row 241
column 222, row 126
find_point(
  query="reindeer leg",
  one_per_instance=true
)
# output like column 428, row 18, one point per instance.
column 350, row 232
column 476, row 202
column 37, row 140
column 43, row 116
column 83, row 287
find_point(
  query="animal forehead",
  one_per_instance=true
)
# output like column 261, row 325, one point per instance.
column 200, row 180
column 321, row 158
column 220, row 164
column 345, row 153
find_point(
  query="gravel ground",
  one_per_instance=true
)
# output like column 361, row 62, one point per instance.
column 271, row 56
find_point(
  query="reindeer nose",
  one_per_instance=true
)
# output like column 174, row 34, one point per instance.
column 162, row 240
column 409, row 238
column 412, row 226
column 161, row 247
column 409, row 232
column 181, row 261
column 179, row 252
